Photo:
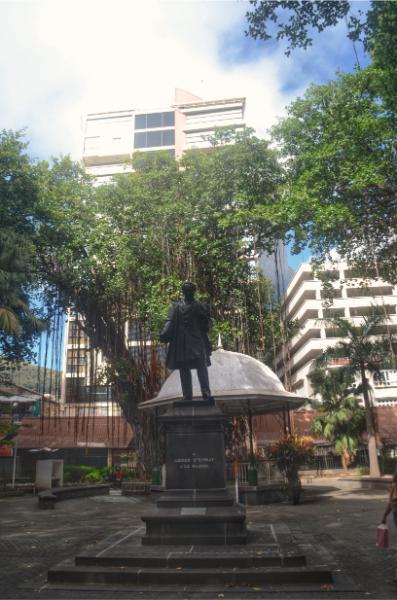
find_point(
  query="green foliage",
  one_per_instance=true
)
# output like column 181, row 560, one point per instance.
column 364, row 353
column 120, row 252
column 341, row 419
column 340, row 192
column 19, row 324
column 83, row 474
column 293, row 20
column 8, row 431
column 362, row 470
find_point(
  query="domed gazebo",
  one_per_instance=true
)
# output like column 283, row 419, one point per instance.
column 239, row 383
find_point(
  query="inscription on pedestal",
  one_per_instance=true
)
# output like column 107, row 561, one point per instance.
column 195, row 460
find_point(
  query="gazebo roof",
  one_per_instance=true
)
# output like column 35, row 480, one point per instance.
column 239, row 383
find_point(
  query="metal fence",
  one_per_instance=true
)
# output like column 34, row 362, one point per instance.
column 324, row 460
column 266, row 469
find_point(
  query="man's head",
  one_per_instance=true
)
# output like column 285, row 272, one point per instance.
column 188, row 290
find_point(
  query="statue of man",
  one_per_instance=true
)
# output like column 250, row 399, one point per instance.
column 186, row 331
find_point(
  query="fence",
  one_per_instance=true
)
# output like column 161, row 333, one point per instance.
column 267, row 472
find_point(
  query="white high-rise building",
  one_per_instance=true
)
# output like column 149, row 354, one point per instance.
column 353, row 298
column 110, row 138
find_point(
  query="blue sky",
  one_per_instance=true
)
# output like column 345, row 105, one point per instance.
column 62, row 58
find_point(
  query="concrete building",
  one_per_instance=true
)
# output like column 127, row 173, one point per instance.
column 110, row 138
column 304, row 300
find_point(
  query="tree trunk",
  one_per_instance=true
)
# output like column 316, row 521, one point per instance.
column 346, row 460
column 374, row 469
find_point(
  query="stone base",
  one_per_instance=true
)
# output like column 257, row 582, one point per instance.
column 195, row 525
column 195, row 508
column 121, row 562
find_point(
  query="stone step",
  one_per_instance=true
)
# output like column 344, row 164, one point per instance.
column 185, row 540
column 213, row 561
column 70, row 574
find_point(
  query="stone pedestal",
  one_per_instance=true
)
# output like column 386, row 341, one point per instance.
column 196, row 507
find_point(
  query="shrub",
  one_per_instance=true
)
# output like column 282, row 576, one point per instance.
column 82, row 474
column 290, row 454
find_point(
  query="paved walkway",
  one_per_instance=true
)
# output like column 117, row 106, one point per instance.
column 344, row 522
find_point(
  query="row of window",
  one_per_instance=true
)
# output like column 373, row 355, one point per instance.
column 151, row 139
column 152, row 120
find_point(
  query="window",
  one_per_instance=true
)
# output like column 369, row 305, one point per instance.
column 155, row 120
column 168, row 119
column 140, row 140
column 76, row 335
column 168, row 138
column 75, row 362
column 152, row 139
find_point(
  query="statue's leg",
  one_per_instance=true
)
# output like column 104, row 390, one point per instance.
column 202, row 374
column 186, row 382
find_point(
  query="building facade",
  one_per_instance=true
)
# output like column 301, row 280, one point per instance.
column 353, row 298
column 110, row 138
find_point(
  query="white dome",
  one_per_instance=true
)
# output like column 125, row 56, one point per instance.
column 238, row 383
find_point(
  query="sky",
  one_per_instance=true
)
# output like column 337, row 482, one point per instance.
column 60, row 59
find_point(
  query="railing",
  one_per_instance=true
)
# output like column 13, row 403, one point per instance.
column 385, row 378
column 267, row 472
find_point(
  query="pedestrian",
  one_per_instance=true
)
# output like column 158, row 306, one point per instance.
column 392, row 507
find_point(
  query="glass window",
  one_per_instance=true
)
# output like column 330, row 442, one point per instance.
column 140, row 121
column 154, row 120
column 169, row 138
column 140, row 140
column 154, row 138
column 168, row 119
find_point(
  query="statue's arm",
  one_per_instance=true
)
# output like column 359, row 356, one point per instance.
column 168, row 329
column 205, row 315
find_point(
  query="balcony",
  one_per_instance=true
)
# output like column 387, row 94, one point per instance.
column 385, row 378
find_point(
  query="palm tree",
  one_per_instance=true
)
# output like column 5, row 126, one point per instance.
column 365, row 354
column 341, row 419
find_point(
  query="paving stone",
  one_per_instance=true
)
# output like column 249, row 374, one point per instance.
column 57, row 535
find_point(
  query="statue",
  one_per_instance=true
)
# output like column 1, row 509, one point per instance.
column 186, row 331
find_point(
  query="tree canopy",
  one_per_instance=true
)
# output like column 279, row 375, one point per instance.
column 341, row 190
column 296, row 20
column 118, row 253
column 19, row 321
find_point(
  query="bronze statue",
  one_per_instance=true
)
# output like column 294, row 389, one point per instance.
column 186, row 331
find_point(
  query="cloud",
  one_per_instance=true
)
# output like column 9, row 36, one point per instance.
column 62, row 58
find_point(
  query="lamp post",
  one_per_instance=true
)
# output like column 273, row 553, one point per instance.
column 15, row 448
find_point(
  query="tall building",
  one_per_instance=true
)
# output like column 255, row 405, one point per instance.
column 110, row 138
column 353, row 297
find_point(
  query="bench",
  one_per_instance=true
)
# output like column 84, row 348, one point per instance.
column 48, row 498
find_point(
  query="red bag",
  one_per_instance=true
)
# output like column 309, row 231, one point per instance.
column 382, row 536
